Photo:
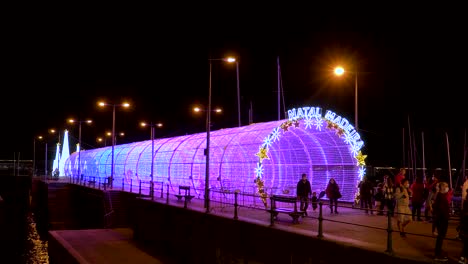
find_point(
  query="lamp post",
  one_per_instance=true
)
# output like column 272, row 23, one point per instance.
column 340, row 71
column 106, row 135
column 34, row 156
column 46, row 167
column 208, row 125
column 230, row 60
column 79, row 141
column 102, row 104
column 207, row 152
column 152, row 125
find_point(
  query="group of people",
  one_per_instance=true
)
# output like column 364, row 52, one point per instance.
column 407, row 201
column 403, row 199
column 305, row 194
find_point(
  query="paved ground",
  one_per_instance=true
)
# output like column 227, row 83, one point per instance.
column 103, row 246
column 351, row 226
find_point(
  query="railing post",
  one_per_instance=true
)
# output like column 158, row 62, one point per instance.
column 139, row 190
column 320, row 221
column 236, row 193
column 131, row 184
column 162, row 190
column 152, row 190
column 167, row 194
column 272, row 217
column 123, row 187
column 185, row 200
column 104, row 184
column 389, row 234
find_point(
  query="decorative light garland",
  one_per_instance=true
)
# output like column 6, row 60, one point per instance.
column 310, row 120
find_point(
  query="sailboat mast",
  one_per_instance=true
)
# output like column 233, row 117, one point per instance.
column 279, row 90
column 403, row 148
column 448, row 156
column 423, row 156
column 464, row 157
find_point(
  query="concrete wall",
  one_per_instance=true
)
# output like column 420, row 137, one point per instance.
column 196, row 237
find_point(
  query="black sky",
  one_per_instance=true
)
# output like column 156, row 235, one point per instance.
column 411, row 66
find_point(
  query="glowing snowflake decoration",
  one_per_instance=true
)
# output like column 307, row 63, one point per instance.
column 355, row 149
column 362, row 172
column 259, row 170
column 275, row 134
column 267, row 141
column 348, row 139
column 308, row 122
column 318, row 124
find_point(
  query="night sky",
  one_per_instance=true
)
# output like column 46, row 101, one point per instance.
column 411, row 66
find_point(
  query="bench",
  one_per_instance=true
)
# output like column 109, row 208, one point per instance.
column 186, row 194
column 92, row 181
column 293, row 212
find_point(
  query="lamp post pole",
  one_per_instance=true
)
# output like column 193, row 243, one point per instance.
column 34, row 156
column 152, row 125
column 79, row 150
column 238, row 94
column 340, row 71
column 207, row 151
column 356, row 100
column 111, row 178
column 45, row 167
column 152, row 152
column 79, row 142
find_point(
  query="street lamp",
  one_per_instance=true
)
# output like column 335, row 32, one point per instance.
column 46, row 167
column 102, row 104
column 152, row 125
column 106, row 135
column 230, row 60
column 79, row 141
column 207, row 150
column 34, row 156
column 208, row 124
column 340, row 71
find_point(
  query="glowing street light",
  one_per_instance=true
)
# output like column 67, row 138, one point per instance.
column 231, row 60
column 152, row 126
column 126, row 105
column 40, row 137
column 339, row 71
column 207, row 150
column 72, row 121
column 106, row 135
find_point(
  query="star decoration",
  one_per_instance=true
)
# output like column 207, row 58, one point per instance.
column 360, row 158
column 262, row 154
column 329, row 125
column 285, row 126
column 296, row 123
column 340, row 132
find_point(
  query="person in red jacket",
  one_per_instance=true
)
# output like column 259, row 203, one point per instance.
column 441, row 208
column 399, row 177
column 417, row 198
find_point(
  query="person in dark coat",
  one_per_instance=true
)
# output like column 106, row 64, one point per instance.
column 441, row 208
column 303, row 192
column 333, row 194
column 366, row 191
column 462, row 229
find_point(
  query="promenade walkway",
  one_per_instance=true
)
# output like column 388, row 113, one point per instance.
column 351, row 227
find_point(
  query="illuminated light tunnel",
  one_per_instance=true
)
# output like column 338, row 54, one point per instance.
column 274, row 153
